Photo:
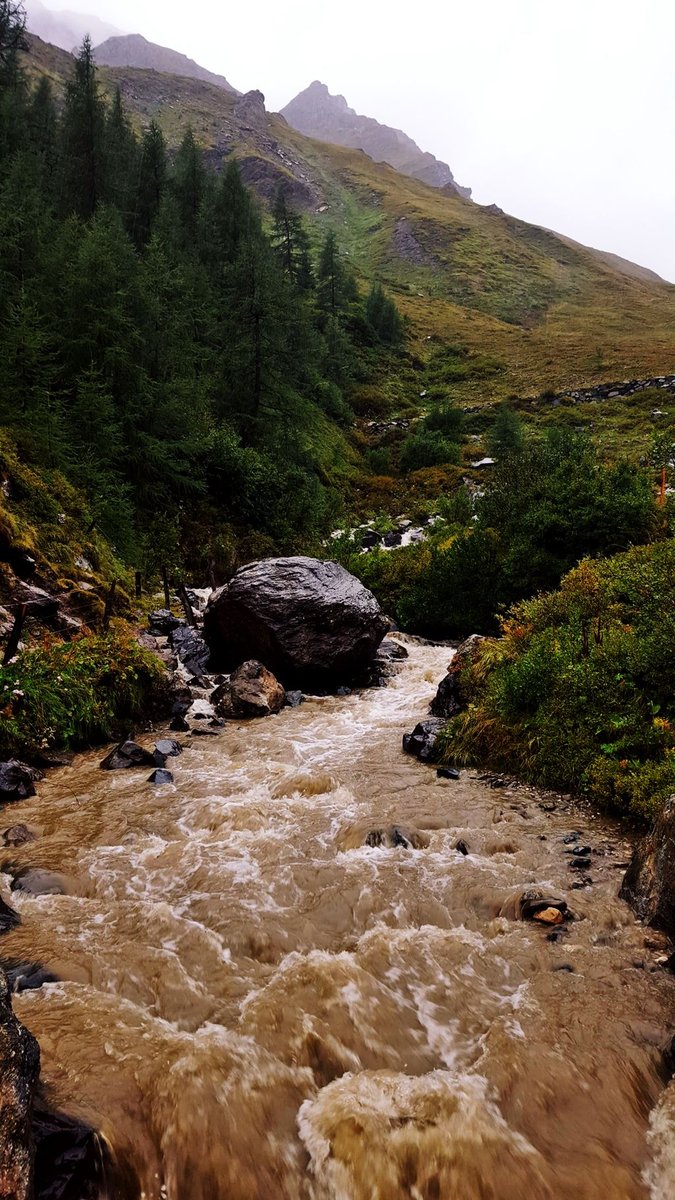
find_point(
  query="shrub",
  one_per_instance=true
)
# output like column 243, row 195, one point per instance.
column 579, row 692
column 427, row 448
column 76, row 694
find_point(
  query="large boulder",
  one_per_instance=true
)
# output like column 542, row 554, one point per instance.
column 191, row 649
column 451, row 697
column 649, row 882
column 309, row 621
column 19, row 1069
column 251, row 691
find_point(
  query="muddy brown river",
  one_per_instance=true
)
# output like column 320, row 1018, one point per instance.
column 255, row 1005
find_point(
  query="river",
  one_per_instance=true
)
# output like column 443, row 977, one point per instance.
column 254, row 1005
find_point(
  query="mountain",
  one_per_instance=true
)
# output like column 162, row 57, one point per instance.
column 515, row 308
column 132, row 50
column 66, row 29
column 319, row 115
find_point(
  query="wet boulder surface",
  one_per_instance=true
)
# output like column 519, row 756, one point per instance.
column 19, row 1069
column 309, row 621
column 649, row 882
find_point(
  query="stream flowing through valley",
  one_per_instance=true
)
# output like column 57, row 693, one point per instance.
column 253, row 1004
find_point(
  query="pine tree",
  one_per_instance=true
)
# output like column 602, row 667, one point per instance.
column 506, row 435
column 44, row 135
column 12, row 83
column 151, row 184
column 291, row 243
column 189, row 189
column 121, row 151
column 83, row 142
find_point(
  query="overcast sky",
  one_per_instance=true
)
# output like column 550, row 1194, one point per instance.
column 560, row 111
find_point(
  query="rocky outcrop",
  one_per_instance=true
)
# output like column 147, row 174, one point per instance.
column 649, row 883
column 308, row 621
column 191, row 649
column 317, row 114
column 451, row 697
column 251, row 691
column 19, row 1069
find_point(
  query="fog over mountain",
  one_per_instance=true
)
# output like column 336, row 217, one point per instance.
column 561, row 114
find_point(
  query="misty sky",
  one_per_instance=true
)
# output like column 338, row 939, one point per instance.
column 560, row 111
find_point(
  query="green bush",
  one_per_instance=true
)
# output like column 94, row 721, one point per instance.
column 428, row 448
column 76, row 694
column 579, row 691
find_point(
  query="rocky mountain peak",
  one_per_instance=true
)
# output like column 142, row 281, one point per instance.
column 317, row 113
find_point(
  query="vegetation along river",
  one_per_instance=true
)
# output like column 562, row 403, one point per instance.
column 253, row 1002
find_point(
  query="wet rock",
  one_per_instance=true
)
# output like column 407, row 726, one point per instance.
column 448, row 773
column 191, row 649
column 308, row 621
column 19, row 1069
column 167, row 748
column 580, row 864
column 160, row 776
column 421, row 743
column 38, row 882
column 40, row 604
column 17, row 781
column 393, row 836
column 294, row 698
column 570, row 838
column 566, row 968
column 462, row 847
column 251, row 691
column 393, row 538
column 128, row 754
column 451, row 697
column 580, row 884
column 71, row 1159
column 649, row 884
column 391, row 651
column 581, row 851
column 179, row 725
column 549, row 916
column 9, row 919
column 27, row 976
column 524, row 906
column 343, row 691
column 163, row 621
column 17, row 835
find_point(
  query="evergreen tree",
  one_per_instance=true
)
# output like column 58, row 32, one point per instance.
column 83, row 150
column 383, row 317
column 121, row 150
column 291, row 243
column 12, row 86
column 506, row 435
column 189, row 189
column 150, row 186
column 44, row 135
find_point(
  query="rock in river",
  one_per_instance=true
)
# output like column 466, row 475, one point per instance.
column 649, row 883
column 251, row 691
column 309, row 621
column 421, row 743
column 130, row 754
column 17, row 781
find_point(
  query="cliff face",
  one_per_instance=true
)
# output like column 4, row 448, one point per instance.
column 329, row 118
column 135, row 51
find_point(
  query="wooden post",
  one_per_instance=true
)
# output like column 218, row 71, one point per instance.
column 109, row 606
column 187, row 607
column 167, row 597
column 662, row 497
column 139, row 583
column 15, row 635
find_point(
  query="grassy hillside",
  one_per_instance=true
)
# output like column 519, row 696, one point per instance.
column 550, row 313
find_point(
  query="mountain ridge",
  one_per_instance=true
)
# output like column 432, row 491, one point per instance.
column 133, row 50
column 64, row 28
column 318, row 114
